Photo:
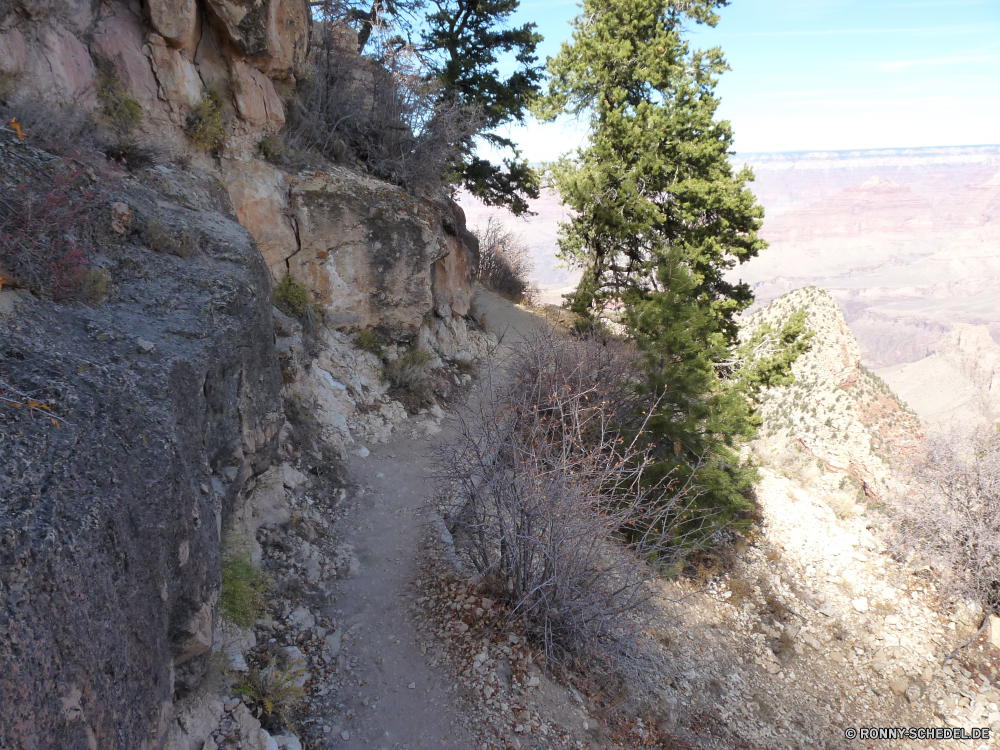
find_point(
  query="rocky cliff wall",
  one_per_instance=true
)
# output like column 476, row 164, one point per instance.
column 170, row 397
column 370, row 252
column 161, row 405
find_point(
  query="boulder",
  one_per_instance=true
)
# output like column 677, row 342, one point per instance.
column 367, row 249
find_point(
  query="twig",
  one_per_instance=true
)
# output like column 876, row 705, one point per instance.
column 953, row 654
column 32, row 405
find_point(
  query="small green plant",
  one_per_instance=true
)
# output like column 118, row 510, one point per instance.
column 272, row 148
column 205, row 125
column 244, row 588
column 94, row 285
column 273, row 690
column 293, row 298
column 119, row 109
column 369, row 340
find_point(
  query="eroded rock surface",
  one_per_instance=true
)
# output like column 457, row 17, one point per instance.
column 165, row 404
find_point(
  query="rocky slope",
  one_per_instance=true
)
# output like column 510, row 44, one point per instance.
column 839, row 424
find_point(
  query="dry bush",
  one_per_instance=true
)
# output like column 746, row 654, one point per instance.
column 550, row 505
column 66, row 129
column 384, row 111
column 410, row 380
column 950, row 512
column 47, row 220
column 504, row 262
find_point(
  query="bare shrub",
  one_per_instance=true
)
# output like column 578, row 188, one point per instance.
column 504, row 262
column 46, row 226
column 65, row 129
column 385, row 111
column 550, row 505
column 950, row 512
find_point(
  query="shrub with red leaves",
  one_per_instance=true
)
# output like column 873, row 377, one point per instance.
column 46, row 229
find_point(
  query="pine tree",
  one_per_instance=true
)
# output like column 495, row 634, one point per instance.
column 464, row 39
column 660, row 216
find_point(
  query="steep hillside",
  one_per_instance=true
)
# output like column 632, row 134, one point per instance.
column 839, row 423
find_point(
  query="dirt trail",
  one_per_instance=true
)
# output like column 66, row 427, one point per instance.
column 402, row 699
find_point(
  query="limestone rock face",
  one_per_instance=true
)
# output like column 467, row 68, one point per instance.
column 259, row 193
column 367, row 249
column 58, row 66
column 119, row 38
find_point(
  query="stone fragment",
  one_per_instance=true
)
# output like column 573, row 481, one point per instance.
column 287, row 742
column 302, row 618
column 914, row 692
column 332, row 645
column 144, row 347
column 860, row 604
column 121, row 217
column 899, row 686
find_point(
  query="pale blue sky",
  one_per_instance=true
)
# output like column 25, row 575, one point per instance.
column 832, row 74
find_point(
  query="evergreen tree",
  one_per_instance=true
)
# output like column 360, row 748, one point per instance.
column 464, row 39
column 660, row 216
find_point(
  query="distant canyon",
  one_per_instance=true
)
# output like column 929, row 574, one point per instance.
column 907, row 241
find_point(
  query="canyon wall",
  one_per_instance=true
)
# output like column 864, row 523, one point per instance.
column 161, row 413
